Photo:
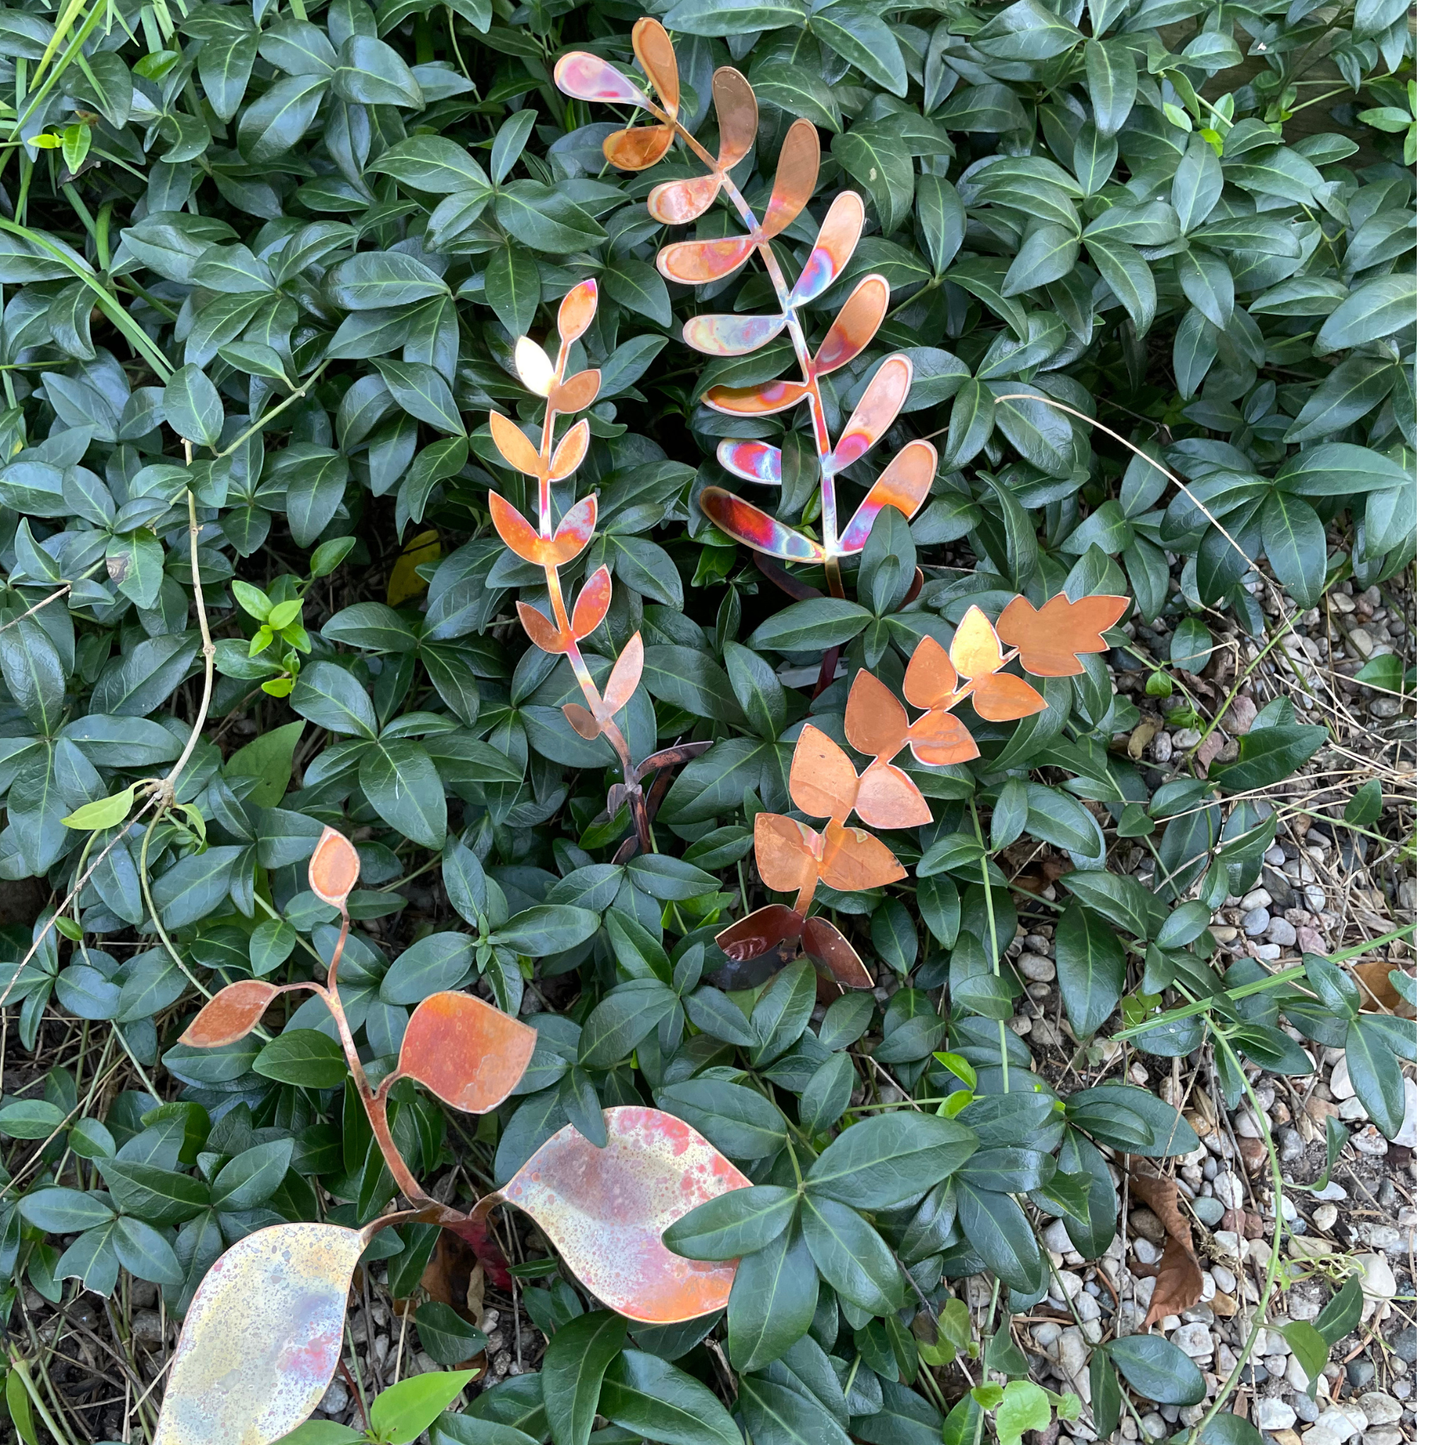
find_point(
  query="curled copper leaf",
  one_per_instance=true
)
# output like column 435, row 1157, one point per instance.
column 231, row 1014
column 261, row 1338
column 605, row 1210
column 1180, row 1281
column 335, row 866
column 469, row 1054
column 1049, row 638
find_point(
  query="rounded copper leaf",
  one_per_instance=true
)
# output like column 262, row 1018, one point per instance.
column 231, row 1015
column 1002, row 697
column 592, row 603
column 904, row 484
column 975, row 649
column 540, row 630
column 696, row 263
column 534, row 367
column 875, row 721
column 335, row 867
column 675, row 203
column 606, row 1209
column 786, row 851
column 574, row 531
column 578, row 392
column 938, row 739
column 514, row 444
column 821, row 781
column 469, row 1054
column 585, row 77
column 261, row 1338
column 578, row 308
column 718, row 335
column 751, row 460
column 931, row 677
column 880, row 403
column 855, row 326
column 796, row 176
column 753, row 527
column 637, row 149
column 833, row 249
column 854, row 860
column 737, row 115
column 655, row 55
column 889, row 798
column 583, row 723
column 570, row 451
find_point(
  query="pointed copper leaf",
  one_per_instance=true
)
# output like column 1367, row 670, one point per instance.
column 875, row 721
column 578, row 308
column 754, row 528
column 854, row 860
column 904, row 485
column 516, row 531
column 824, row 944
column 231, row 1014
column 939, row 739
column 606, row 1209
column 335, row 866
column 889, row 798
column 583, row 723
column 884, row 395
column 625, row 675
column 764, row 399
column 261, row 1338
column 675, row 203
column 574, row 531
column 855, row 326
column 469, row 1054
column 931, row 677
column 541, row 631
column 833, row 249
column 1050, row 637
column 730, row 335
column 515, row 445
column 975, row 649
column 535, row 368
column 1002, row 697
column 784, row 850
column 821, row 781
column 752, row 461
column 570, row 452
column 592, row 603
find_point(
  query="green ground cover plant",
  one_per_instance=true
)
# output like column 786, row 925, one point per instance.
column 265, row 271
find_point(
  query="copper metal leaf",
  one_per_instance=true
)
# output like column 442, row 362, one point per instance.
column 875, row 721
column 231, row 1015
column 335, row 867
column 606, row 1209
column 262, row 1336
column 469, row 1054
column 1050, row 637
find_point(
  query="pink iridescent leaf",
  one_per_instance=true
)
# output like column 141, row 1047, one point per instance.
column 837, row 237
column 731, row 335
column 762, row 400
column 606, row 1210
column 675, row 203
column 753, row 528
column 697, row 263
column 658, row 60
column 855, row 327
column 585, row 77
column 885, row 394
column 262, row 1336
column 904, row 484
column 752, row 461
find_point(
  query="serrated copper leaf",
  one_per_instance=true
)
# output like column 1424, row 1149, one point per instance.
column 335, row 866
column 875, row 721
column 1050, row 637
column 469, row 1054
column 1180, row 1281
column 261, row 1338
column 231, row 1014
column 889, row 798
column 606, row 1209
column 975, row 649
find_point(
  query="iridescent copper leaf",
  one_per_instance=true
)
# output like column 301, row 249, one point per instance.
column 889, row 798
column 625, row 675
column 931, row 677
column 515, row 530
column 335, row 866
column 592, row 603
column 570, row 452
column 574, row 531
column 578, row 308
column 825, row 945
column 1048, row 638
column 655, row 55
column 754, row 528
column 796, row 176
column 585, row 77
column 854, row 860
column 578, row 392
column 886, row 392
column 606, row 1209
column 939, row 738
column 730, row 335
column 231, row 1014
column 261, row 1338
column 764, row 399
column 675, row 203
column 534, row 367
column 875, row 721
column 785, row 852
column 540, row 630
column 821, row 781
column 761, row 930
column 737, row 115
column 469, row 1054
column 515, row 445
column 752, row 461
column 1002, row 697
column 855, row 326
column 697, row 263
column 904, row 485
column 583, row 723
column 639, row 148
column 833, row 249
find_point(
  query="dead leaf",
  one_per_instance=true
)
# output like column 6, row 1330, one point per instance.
column 1180, row 1281
column 447, row 1277
column 1378, row 994
column 1142, row 736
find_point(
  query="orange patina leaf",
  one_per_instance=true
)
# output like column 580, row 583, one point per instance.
column 931, row 677
column 606, row 1210
column 638, row 149
column 469, row 1054
column 655, row 55
column 231, row 1014
column 1002, row 697
column 795, row 178
column 515, row 445
column 821, row 781
column 854, row 860
column 625, row 675
column 855, row 325
column 583, row 723
column 592, row 603
column 785, row 852
column 541, row 631
column 696, row 263
column 875, row 721
column 1049, row 638
column 575, row 314
column 938, row 739
column 335, row 867
column 570, row 451
column 675, row 203
column 760, row 931
column 975, row 648
column 578, row 392
column 737, row 115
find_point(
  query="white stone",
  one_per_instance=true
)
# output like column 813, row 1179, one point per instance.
column 1378, row 1281
column 1056, row 1237
column 1325, row 1217
column 1073, row 1354
column 1155, row 1427
column 1409, row 1130
column 1273, row 1415
column 1380, row 1408
column 1195, row 1340
column 1145, row 1252
column 1340, row 1085
column 1335, row 1426
column 1385, row 1435
column 1224, row 1278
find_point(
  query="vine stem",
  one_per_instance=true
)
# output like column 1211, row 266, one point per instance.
column 992, row 939
column 1261, row 1311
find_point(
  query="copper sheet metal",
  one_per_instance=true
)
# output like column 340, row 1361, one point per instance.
column 469, row 1054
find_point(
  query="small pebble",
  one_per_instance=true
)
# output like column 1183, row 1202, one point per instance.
column 1255, row 921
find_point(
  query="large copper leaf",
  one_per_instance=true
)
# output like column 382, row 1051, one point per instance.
column 469, row 1054
column 606, row 1209
column 261, row 1338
